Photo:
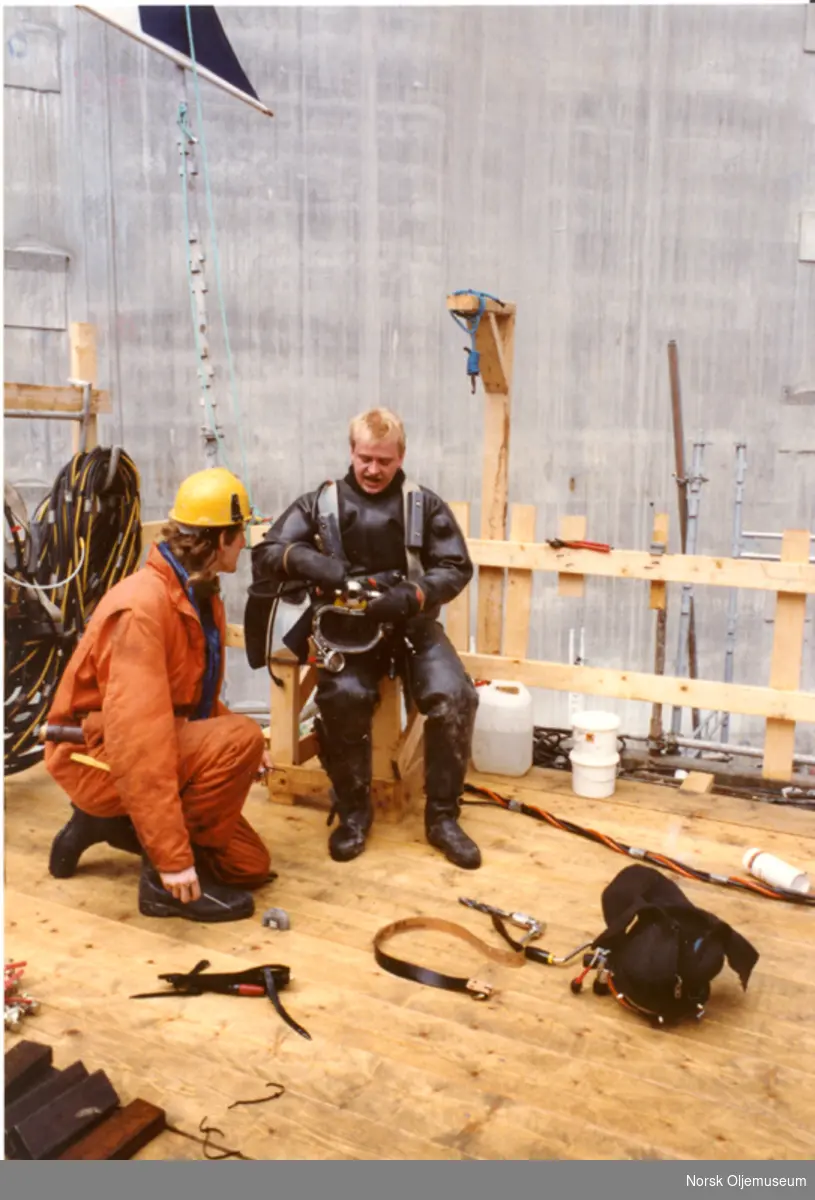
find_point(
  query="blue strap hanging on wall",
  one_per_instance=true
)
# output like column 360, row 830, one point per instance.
column 470, row 325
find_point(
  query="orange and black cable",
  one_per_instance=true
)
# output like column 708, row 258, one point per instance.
column 640, row 855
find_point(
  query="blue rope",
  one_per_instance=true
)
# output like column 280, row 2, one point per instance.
column 470, row 326
column 217, row 261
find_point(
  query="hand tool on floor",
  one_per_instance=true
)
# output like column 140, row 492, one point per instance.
column 256, row 981
column 532, row 925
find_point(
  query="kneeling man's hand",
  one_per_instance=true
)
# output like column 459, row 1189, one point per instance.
column 183, row 885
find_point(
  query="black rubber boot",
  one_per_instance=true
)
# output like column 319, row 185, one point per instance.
column 83, row 831
column 346, row 757
column 347, row 841
column 444, row 832
column 217, row 903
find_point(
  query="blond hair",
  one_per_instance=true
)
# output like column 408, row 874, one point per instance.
column 377, row 425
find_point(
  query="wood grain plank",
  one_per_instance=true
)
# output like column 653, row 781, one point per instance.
column 786, row 663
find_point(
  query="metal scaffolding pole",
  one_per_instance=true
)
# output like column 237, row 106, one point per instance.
column 682, row 494
column 733, row 598
column 683, row 656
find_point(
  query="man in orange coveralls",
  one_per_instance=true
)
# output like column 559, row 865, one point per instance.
column 144, row 684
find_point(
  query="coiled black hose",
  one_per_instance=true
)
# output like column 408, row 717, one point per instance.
column 84, row 537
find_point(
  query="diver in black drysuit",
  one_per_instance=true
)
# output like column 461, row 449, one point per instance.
column 373, row 542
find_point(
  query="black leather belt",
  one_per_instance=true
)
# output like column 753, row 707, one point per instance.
column 478, row 989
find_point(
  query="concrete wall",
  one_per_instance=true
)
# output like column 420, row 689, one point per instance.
column 624, row 175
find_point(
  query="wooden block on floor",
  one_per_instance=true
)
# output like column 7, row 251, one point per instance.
column 50, row 1130
column 698, row 783
column 54, row 1085
column 122, row 1135
column 26, row 1065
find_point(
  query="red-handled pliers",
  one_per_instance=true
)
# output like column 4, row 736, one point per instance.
column 558, row 544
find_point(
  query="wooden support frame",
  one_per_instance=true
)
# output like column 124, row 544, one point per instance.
column 457, row 612
column 503, row 620
column 396, row 746
column 785, row 669
column 84, row 367
column 35, row 397
column 66, row 401
column 495, row 343
column 780, row 703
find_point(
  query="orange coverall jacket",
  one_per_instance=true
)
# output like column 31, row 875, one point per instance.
column 133, row 679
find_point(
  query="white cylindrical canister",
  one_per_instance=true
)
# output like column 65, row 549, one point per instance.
column 595, row 733
column 775, row 871
column 504, row 731
column 593, row 776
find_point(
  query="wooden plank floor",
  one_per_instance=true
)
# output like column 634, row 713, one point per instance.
column 400, row 1071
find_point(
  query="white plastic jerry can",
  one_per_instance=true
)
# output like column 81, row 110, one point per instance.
column 503, row 736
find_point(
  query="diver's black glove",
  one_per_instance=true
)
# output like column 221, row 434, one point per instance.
column 399, row 604
column 304, row 562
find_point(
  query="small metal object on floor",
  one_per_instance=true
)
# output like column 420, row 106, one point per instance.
column 276, row 918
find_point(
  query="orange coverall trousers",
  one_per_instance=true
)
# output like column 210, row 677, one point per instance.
column 218, row 759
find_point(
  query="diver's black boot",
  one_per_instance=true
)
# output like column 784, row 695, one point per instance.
column 217, row 902
column 447, row 739
column 444, row 832
column 83, row 831
column 347, row 841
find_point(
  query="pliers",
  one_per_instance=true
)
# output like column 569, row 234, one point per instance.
column 558, row 544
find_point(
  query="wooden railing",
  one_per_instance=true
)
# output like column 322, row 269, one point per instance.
column 780, row 702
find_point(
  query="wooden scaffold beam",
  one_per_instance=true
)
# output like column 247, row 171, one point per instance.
column 495, row 343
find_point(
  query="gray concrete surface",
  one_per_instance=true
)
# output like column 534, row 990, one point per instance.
column 625, row 175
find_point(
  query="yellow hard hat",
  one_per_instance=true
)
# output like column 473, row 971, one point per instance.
column 211, row 498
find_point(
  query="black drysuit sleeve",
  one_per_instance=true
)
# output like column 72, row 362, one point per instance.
column 448, row 567
column 296, row 526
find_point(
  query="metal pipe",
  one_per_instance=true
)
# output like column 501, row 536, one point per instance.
column 250, row 708
column 691, row 743
column 679, row 442
column 682, row 485
column 656, row 727
column 683, row 652
column 86, row 412
column 766, row 557
column 659, row 669
column 772, row 536
column 733, row 598
column 45, row 415
column 180, row 60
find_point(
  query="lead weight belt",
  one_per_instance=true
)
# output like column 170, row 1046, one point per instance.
column 478, row 989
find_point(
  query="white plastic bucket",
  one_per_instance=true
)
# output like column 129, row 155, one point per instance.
column 775, row 871
column 504, row 730
column 594, row 776
column 595, row 733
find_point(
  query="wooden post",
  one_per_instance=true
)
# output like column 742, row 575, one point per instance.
column 84, row 367
column 386, row 735
column 519, row 586
column 284, row 715
column 457, row 612
column 494, row 341
column 572, row 529
column 785, row 670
